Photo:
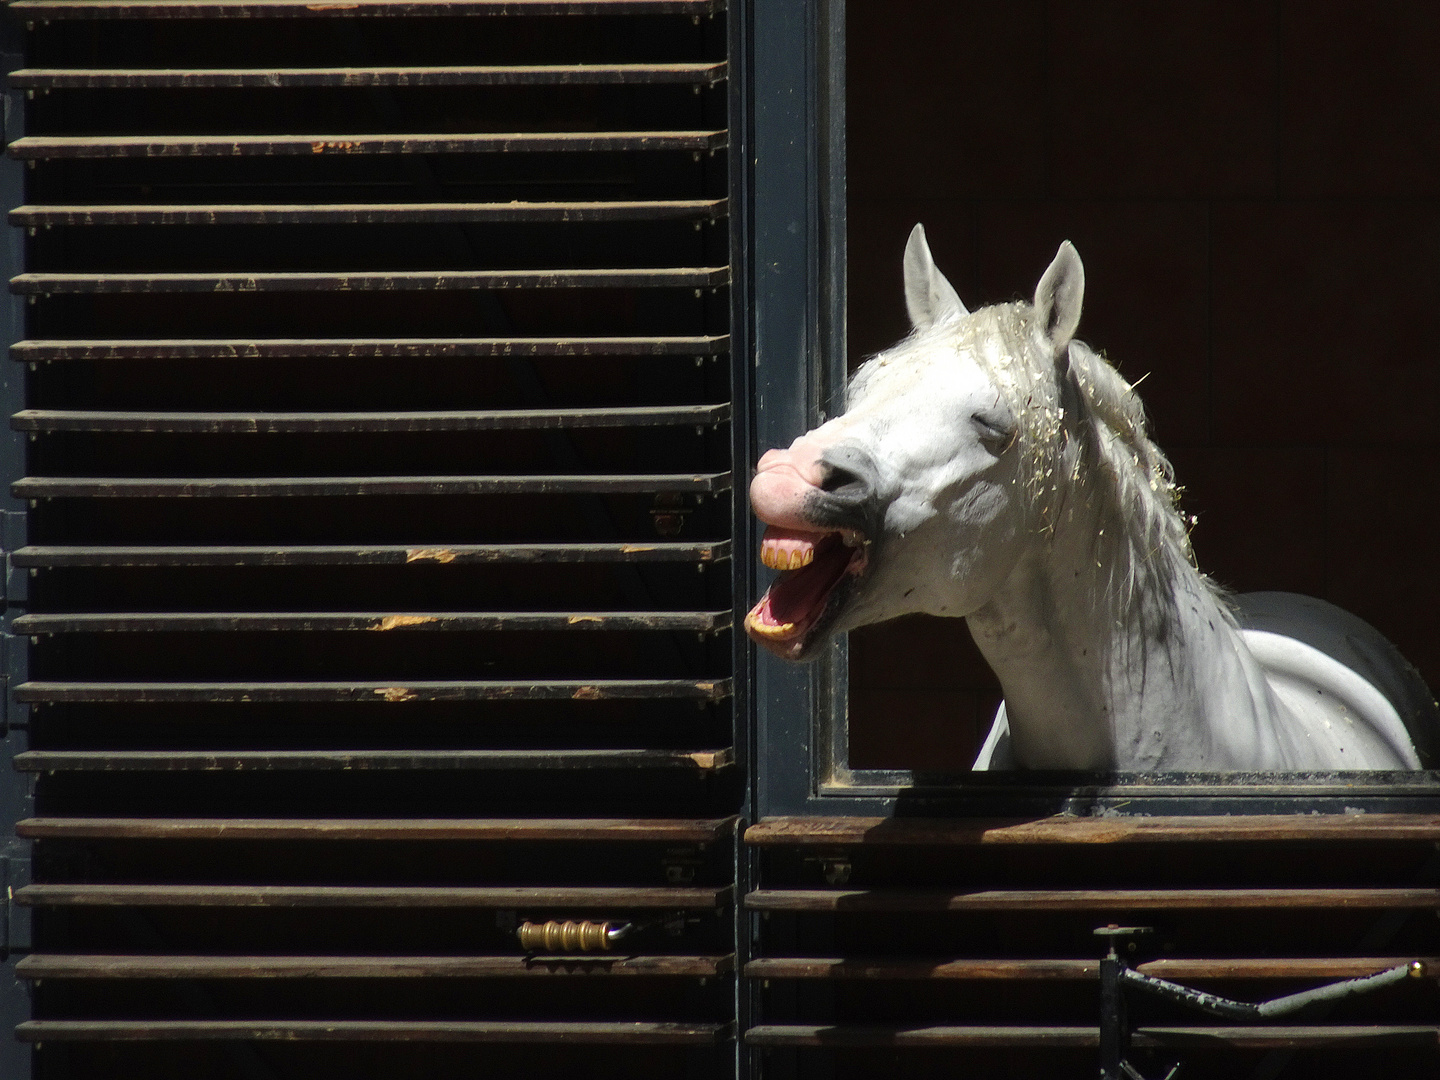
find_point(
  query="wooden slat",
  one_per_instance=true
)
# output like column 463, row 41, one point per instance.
column 1059, row 1036
column 581, row 830
column 1287, row 1037
column 904, row 969
column 707, row 622
column 266, row 423
column 68, row 555
column 703, row 74
column 805, row 832
column 1087, row 899
column 370, row 213
column 44, row 351
column 44, row 10
column 1071, row 1037
column 581, row 898
column 78, row 147
column 229, row 487
column 41, row 692
column 560, row 1032
column 48, row 966
column 332, row 760
column 686, row 277
column 1287, row 967
column 907, row 969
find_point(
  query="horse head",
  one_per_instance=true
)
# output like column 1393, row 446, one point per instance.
column 921, row 495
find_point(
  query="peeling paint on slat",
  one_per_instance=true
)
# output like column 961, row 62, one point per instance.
column 390, row 622
column 440, row 555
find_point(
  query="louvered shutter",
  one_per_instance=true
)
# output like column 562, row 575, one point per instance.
column 968, row 947
column 377, row 576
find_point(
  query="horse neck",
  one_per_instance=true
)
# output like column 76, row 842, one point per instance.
column 1091, row 656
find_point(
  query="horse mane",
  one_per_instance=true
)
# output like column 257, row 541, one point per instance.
column 1156, row 540
column 1083, row 435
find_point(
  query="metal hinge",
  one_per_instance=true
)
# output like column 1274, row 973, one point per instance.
column 14, row 670
column 14, row 917
column 14, row 525
column 13, row 529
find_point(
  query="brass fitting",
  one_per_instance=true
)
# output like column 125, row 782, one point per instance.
column 567, row 936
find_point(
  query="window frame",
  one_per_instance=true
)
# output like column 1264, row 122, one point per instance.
column 795, row 198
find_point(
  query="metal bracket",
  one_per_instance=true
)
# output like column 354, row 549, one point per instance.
column 1114, row 1024
column 835, row 866
column 1116, row 974
column 680, row 865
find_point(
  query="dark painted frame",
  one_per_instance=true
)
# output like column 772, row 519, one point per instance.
column 745, row 926
column 796, row 322
column 795, row 264
column 16, row 789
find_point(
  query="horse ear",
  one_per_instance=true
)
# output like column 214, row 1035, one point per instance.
column 929, row 298
column 1058, row 298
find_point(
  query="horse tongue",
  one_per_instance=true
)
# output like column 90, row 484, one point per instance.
column 798, row 595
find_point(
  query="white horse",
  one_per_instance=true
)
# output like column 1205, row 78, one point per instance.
column 992, row 467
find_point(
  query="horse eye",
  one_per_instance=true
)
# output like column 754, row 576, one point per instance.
column 993, row 432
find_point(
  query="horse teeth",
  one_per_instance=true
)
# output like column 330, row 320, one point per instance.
column 767, row 630
column 783, row 555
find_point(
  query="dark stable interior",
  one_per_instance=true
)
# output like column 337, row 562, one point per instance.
column 1254, row 194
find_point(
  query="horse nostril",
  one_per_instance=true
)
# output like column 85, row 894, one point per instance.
column 837, row 480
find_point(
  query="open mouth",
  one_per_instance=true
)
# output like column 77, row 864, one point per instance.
column 812, row 565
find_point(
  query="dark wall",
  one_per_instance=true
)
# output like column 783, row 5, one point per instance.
column 1255, row 191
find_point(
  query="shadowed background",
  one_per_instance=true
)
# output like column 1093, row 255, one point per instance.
column 1255, row 190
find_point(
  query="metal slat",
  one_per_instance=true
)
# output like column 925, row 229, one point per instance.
column 36, row 351
column 389, row 760
column 704, row 622
column 39, row 692
column 44, row 966
column 146, row 487
column 519, row 830
column 44, row 10
column 700, row 74
column 446, row 1031
column 671, row 898
column 65, row 556
column 380, row 281
column 259, row 423
column 78, row 147
column 370, row 213
column 897, row 900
